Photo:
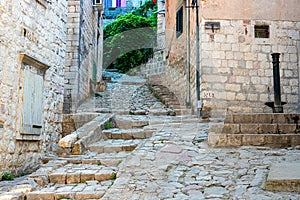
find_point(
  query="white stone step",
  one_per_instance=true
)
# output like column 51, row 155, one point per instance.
column 111, row 146
column 81, row 173
column 125, row 134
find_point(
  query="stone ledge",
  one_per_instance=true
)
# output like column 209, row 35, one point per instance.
column 237, row 140
column 284, row 177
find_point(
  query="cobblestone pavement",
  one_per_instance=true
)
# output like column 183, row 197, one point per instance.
column 123, row 95
column 170, row 166
column 175, row 163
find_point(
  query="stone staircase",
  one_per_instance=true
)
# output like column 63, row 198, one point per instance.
column 64, row 180
column 169, row 99
column 90, row 174
column 273, row 130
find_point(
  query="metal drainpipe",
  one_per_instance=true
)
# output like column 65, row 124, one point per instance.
column 96, row 57
column 199, row 102
column 79, row 53
column 276, row 80
column 188, row 94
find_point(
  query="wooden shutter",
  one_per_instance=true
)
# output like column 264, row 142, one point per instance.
column 33, row 102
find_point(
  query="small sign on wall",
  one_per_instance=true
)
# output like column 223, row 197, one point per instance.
column 208, row 95
column 212, row 25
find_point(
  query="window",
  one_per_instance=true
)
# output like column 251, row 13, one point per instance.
column 97, row 2
column 179, row 22
column 261, row 31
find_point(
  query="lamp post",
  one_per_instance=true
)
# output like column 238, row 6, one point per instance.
column 199, row 102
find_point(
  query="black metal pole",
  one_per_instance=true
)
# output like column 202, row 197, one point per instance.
column 276, row 80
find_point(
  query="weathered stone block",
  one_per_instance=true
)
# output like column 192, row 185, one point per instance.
column 217, row 140
column 104, row 175
column 276, row 140
column 59, row 178
column 233, row 87
column 38, row 195
column 267, row 129
column 295, row 139
column 249, row 128
column 89, row 195
column 284, row 177
column 286, row 128
column 231, row 128
column 253, row 140
column 87, row 175
column 234, row 140
column 216, row 128
column 264, row 118
column 68, row 141
column 65, row 195
column 73, row 177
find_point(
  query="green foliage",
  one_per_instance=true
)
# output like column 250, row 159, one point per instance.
column 128, row 41
column 113, row 176
column 108, row 125
column 7, row 176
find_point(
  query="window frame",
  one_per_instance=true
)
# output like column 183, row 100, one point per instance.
column 179, row 22
column 262, row 31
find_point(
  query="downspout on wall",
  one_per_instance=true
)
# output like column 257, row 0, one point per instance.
column 96, row 55
column 188, row 90
column 199, row 102
column 79, row 55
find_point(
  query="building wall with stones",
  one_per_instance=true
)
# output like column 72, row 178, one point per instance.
column 175, row 52
column 32, row 52
column 235, row 63
column 84, row 52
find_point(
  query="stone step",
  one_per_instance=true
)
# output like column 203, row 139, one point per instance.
column 183, row 111
column 126, row 134
column 77, row 141
column 161, row 112
column 237, row 140
column 81, row 191
column 266, row 118
column 107, row 159
column 284, row 177
column 176, row 106
column 112, row 146
column 130, row 121
column 254, row 128
column 81, row 173
column 71, row 122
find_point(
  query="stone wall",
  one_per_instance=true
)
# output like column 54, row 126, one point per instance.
column 83, row 62
column 32, row 38
column 236, row 67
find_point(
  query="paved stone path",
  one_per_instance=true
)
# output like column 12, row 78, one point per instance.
column 170, row 166
column 126, row 94
column 175, row 163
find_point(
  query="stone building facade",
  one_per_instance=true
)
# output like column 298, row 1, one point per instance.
column 236, row 41
column 84, row 52
column 32, row 52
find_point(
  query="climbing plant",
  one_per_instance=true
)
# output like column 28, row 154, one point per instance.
column 129, row 40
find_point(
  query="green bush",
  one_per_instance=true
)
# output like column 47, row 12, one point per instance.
column 7, row 176
column 108, row 125
column 129, row 41
column 113, row 176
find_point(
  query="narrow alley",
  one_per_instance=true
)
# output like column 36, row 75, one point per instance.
column 153, row 156
column 149, row 100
